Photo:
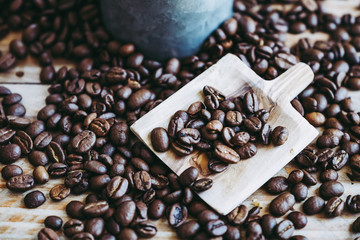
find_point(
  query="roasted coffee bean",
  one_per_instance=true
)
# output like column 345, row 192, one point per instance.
column 313, row 205
column 57, row 169
column 234, row 118
column 35, row 128
column 41, row 176
column 203, row 184
column 34, row 199
column 327, row 141
column 156, row 209
column 59, row 192
column 42, row 140
column 356, row 225
column 295, row 176
column 282, row 203
column 328, row 175
column 119, row 134
column 279, row 135
column 160, row 139
column 125, row 213
column 142, row 180
column 128, row 233
column 189, row 136
column 299, row 191
column 216, row 228
column 74, row 209
column 298, row 219
column 11, row 171
column 238, row 215
column 18, row 122
column 7, row 61
column 55, row 152
column 247, row 151
column 240, row 139
column 95, row 167
column 188, row 229
column 254, row 231
column 253, row 124
column 188, row 176
column 47, row 234
column 226, row 154
column 308, row 179
column 251, row 102
column 268, row 224
column 23, row 140
column 53, row 222
column 20, row 183
column 177, row 215
column 208, row 90
column 9, row 153
column 11, row 99
column 331, row 189
column 95, row 226
column 83, row 141
column 284, row 230
column 306, row 158
column 217, row 166
column 353, row 203
column 117, row 187
column 339, row 160
column 146, row 229
column 6, row 134
column 72, row 227
column 195, row 108
column 211, row 102
column 95, row 209
column 334, row 207
column 276, row 185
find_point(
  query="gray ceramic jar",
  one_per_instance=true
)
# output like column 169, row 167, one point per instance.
column 165, row 28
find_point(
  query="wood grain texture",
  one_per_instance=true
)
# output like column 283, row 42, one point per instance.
column 233, row 78
column 17, row 222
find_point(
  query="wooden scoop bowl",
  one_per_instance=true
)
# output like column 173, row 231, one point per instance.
column 233, row 78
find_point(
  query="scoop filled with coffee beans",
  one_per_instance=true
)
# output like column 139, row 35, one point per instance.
column 228, row 131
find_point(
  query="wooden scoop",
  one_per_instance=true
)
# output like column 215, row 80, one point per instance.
column 233, row 78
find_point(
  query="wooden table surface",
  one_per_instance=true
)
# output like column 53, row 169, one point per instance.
column 17, row 222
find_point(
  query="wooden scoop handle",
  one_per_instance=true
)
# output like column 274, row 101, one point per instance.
column 289, row 84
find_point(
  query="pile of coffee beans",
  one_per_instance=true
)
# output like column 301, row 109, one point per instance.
column 82, row 135
column 225, row 129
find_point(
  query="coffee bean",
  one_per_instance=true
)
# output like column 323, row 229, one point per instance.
column 6, row 134
column 41, row 176
column 55, row 152
column 281, row 204
column 24, row 141
column 339, row 160
column 279, row 135
column 298, row 219
column 328, row 175
column 334, row 207
column 7, row 61
column 146, row 229
column 83, row 141
column 226, row 154
column 59, row 192
column 156, row 209
column 188, row 176
column 10, row 153
column 160, row 139
column 47, row 234
column 300, row 191
column 20, row 183
column 18, row 122
column 313, row 205
column 353, row 203
column 57, row 169
column 72, row 227
column 247, row 151
column 331, row 189
column 254, row 231
column 125, row 213
column 276, row 185
column 119, row 134
column 95, row 209
column 35, row 128
column 216, row 228
column 95, row 167
column 128, row 233
column 74, row 209
column 177, row 215
column 238, row 215
column 268, row 224
column 295, row 176
column 42, row 140
column 53, row 222
column 34, row 199
column 253, row 124
column 11, row 171
column 203, row 184
column 284, row 230
column 308, row 179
